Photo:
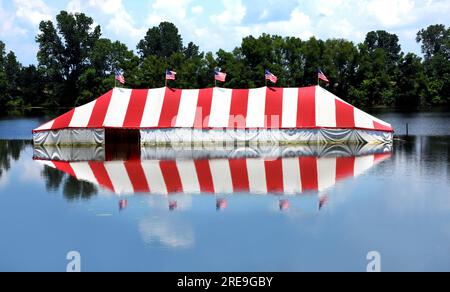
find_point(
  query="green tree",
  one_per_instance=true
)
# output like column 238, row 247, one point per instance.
column 411, row 82
column 162, row 41
column 105, row 58
column 312, row 51
column 339, row 60
column 12, row 71
column 3, row 80
column 31, row 86
column 64, row 53
column 436, row 47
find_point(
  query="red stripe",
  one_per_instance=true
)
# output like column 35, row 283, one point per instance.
column 306, row 111
column 345, row 115
column 377, row 158
column 204, row 176
column 239, row 175
column 137, row 176
column 274, row 175
column 101, row 174
column 99, row 112
column 380, row 127
column 64, row 167
column 203, row 108
column 170, row 108
column 136, row 108
column 308, row 171
column 238, row 110
column 63, row 121
column 171, row 176
column 345, row 167
column 274, row 107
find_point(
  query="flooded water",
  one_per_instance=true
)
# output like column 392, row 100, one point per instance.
column 249, row 209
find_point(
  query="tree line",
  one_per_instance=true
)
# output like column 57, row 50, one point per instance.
column 76, row 65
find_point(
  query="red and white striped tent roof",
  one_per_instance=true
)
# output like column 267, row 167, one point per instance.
column 220, row 176
column 271, row 108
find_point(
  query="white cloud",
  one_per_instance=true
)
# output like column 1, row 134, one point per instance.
column 233, row 14
column 74, row 6
column 224, row 23
column 107, row 6
column 299, row 25
column 392, row 12
column 33, row 11
column 197, row 9
column 173, row 11
column 120, row 21
column 8, row 26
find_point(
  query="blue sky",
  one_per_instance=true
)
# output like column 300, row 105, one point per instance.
column 222, row 23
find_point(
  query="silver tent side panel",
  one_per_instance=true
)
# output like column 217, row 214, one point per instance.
column 262, row 136
column 70, row 137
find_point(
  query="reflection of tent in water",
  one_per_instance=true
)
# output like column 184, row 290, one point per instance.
column 287, row 173
column 165, row 115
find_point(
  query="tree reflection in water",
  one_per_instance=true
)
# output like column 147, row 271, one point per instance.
column 53, row 178
column 10, row 149
column 74, row 189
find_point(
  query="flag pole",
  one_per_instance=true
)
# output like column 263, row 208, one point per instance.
column 165, row 78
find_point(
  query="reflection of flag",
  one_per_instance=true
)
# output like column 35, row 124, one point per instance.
column 170, row 75
column 284, row 205
column 272, row 78
column 120, row 77
column 322, row 202
column 173, row 205
column 322, row 76
column 220, row 76
column 123, row 204
column 221, row 204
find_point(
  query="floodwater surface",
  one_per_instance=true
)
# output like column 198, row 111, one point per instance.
column 294, row 209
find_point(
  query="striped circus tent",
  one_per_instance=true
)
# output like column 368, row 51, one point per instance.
column 313, row 112
column 287, row 175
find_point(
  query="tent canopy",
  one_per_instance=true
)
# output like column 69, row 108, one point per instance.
column 217, row 108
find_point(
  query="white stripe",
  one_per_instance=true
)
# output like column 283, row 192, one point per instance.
column 325, row 108
column 154, row 176
column 257, row 176
column 362, row 164
column 84, row 172
column 326, row 173
column 187, row 109
column 188, row 176
column 118, row 107
column 221, row 176
column 46, row 163
column 256, row 107
column 362, row 120
column 119, row 177
column 292, row 181
column 153, row 108
column 46, row 126
column 220, row 108
column 82, row 115
column 290, row 106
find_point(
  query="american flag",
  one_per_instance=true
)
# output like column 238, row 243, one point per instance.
column 272, row 78
column 120, row 77
column 170, row 75
column 322, row 76
column 220, row 76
